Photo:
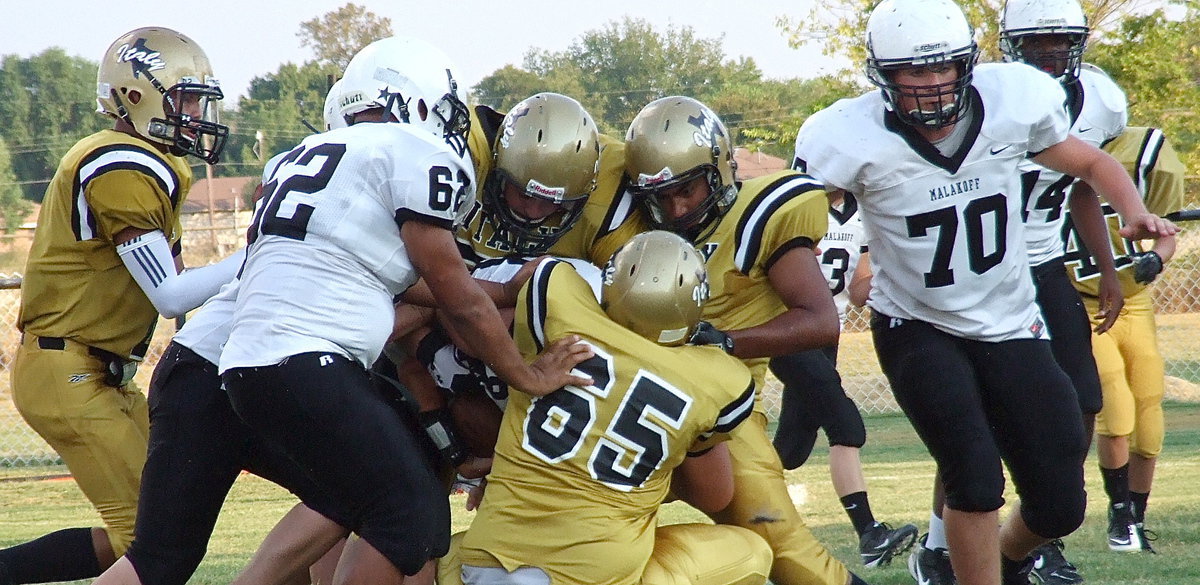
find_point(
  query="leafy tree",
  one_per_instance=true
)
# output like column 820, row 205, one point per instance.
column 47, row 103
column 338, row 35
column 13, row 207
column 1157, row 62
column 840, row 25
column 271, row 118
column 618, row 69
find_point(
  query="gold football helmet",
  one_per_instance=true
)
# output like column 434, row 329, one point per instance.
column 670, row 142
column 548, row 149
column 656, row 286
column 159, row 81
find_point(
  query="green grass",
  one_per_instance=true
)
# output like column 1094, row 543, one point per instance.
column 898, row 472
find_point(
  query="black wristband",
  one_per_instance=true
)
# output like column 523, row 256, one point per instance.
column 440, row 428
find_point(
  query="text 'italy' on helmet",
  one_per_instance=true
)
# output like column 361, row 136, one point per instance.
column 672, row 141
column 903, row 34
column 160, row 82
column 656, row 286
column 547, row 149
column 414, row 82
column 1024, row 20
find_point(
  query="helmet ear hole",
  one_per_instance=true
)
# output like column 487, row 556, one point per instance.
column 422, row 110
column 134, row 96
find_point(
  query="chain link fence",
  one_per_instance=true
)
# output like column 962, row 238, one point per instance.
column 1177, row 300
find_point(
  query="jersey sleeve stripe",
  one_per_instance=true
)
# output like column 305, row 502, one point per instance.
column 1148, row 157
column 405, row 214
column 619, row 211
column 150, row 266
column 800, row 242
column 118, row 157
column 753, row 223
column 737, row 411
column 537, row 300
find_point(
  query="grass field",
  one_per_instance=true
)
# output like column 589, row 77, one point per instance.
column 898, row 473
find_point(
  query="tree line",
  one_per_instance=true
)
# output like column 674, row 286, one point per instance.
column 47, row 100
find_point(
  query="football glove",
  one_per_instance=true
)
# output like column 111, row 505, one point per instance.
column 1146, row 267
column 706, row 334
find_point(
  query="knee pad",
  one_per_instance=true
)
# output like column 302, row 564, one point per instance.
column 844, row 426
column 1054, row 519
column 975, row 490
column 165, row 566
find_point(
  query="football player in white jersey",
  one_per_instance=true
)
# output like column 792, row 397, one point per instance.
column 198, row 446
column 813, row 396
column 350, row 219
column 932, row 159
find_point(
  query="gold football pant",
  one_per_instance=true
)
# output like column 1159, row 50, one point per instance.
column 1131, row 376
column 99, row 431
column 761, row 503
column 684, row 554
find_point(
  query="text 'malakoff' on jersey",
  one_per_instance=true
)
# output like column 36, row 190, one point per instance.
column 326, row 258
column 1098, row 115
column 947, row 241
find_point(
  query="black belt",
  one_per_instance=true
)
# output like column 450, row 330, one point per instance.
column 60, row 343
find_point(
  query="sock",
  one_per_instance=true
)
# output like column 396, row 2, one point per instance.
column 1140, row 501
column 856, row 580
column 1011, row 571
column 1116, row 484
column 937, row 534
column 66, row 555
column 858, row 508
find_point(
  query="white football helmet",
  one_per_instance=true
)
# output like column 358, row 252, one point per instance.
column 1025, row 19
column 412, row 80
column 921, row 33
column 332, row 113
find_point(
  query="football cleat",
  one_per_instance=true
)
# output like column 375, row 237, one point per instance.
column 931, row 566
column 1123, row 533
column 881, row 543
column 1050, row 567
column 1147, row 536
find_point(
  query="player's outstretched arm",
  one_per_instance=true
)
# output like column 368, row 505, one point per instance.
column 1108, row 177
column 172, row 290
column 811, row 318
column 471, row 313
column 1089, row 222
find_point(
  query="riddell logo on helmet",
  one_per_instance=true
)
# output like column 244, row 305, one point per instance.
column 930, row 47
column 1052, row 22
column 142, row 57
column 536, row 188
column 659, row 177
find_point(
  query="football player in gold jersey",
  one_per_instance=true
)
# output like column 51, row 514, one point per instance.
column 768, row 293
column 1129, row 426
column 546, row 176
column 104, row 264
column 580, row 473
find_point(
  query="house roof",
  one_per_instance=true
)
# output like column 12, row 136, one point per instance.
column 756, row 164
column 226, row 194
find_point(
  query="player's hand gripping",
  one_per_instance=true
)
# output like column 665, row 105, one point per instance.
column 553, row 368
column 1147, row 225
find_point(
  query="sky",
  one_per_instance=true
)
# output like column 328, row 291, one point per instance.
column 249, row 38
